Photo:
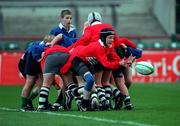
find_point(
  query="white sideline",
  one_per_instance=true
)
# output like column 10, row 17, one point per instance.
column 131, row 123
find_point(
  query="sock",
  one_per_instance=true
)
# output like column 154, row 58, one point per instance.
column 25, row 101
column 78, row 99
column 101, row 94
column 127, row 100
column 59, row 98
column 78, row 91
column 72, row 86
column 33, row 95
column 107, row 93
column 43, row 97
column 116, row 93
column 86, row 103
column 94, row 95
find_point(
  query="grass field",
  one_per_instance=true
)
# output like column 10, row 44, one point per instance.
column 154, row 105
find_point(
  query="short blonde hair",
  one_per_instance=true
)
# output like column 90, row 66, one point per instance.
column 48, row 38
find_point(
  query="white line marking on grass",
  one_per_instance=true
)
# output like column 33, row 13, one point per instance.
column 8, row 109
column 100, row 119
column 131, row 123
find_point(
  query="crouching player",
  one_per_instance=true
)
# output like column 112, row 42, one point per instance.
column 123, row 76
column 78, row 61
column 54, row 58
column 30, row 68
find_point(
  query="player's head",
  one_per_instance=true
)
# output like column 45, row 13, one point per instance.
column 107, row 36
column 66, row 17
column 65, row 12
column 94, row 16
column 48, row 38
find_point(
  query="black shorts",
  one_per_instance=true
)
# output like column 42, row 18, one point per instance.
column 98, row 67
column 21, row 66
column 79, row 67
column 119, row 72
column 54, row 62
column 29, row 66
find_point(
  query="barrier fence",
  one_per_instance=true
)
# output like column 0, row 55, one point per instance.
column 166, row 63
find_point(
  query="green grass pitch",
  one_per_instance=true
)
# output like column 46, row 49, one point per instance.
column 154, row 105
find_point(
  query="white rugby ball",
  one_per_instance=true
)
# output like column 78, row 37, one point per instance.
column 144, row 68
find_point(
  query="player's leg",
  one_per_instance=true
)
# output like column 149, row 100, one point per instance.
column 59, row 86
column 36, row 90
column 118, row 97
column 99, row 76
column 100, row 90
column 121, row 88
column 26, row 102
column 44, row 93
column 70, row 87
column 53, row 63
column 120, row 83
column 128, row 76
column 95, row 105
column 128, row 81
column 30, row 69
column 83, row 70
column 107, row 87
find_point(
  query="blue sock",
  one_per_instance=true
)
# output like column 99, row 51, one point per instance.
column 89, row 79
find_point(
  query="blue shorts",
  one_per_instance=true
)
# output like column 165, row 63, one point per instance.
column 29, row 66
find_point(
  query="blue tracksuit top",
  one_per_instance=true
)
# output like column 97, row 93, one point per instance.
column 69, row 37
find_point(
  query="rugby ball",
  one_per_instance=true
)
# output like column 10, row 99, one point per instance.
column 144, row 68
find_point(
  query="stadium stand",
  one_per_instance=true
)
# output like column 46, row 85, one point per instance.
column 130, row 17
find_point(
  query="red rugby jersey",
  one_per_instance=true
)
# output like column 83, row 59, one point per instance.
column 106, row 56
column 125, row 41
column 92, row 34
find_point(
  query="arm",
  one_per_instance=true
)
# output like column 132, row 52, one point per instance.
column 84, row 40
column 86, row 24
column 56, row 39
column 68, row 41
column 55, row 31
column 127, row 42
column 113, row 56
column 103, row 59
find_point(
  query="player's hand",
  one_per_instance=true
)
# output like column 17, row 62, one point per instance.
column 123, row 45
column 70, row 51
column 123, row 63
column 48, row 44
column 42, row 55
column 86, row 24
column 130, row 60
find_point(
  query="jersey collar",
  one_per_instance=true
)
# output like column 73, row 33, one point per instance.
column 71, row 27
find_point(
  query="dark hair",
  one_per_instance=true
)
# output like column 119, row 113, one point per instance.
column 65, row 12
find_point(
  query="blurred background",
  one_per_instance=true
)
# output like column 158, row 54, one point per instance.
column 150, row 23
column 154, row 25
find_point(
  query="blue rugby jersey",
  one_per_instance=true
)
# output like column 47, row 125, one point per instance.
column 69, row 37
column 36, row 49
